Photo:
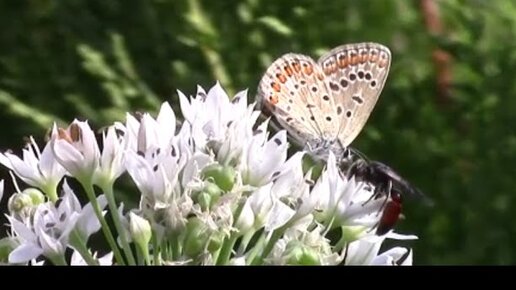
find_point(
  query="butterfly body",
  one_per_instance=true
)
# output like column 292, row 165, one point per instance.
column 325, row 104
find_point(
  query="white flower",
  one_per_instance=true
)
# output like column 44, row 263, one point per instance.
column 48, row 231
column 366, row 252
column 291, row 198
column 147, row 133
column 77, row 150
column 262, row 158
column 111, row 164
column 37, row 168
column 395, row 256
column 343, row 201
column 216, row 122
column 155, row 158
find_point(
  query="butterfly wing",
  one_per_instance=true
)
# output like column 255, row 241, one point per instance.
column 293, row 90
column 355, row 75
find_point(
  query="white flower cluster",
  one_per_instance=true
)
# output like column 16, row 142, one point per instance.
column 217, row 190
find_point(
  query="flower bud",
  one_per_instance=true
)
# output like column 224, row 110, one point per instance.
column 299, row 254
column 19, row 201
column 140, row 230
column 246, row 219
column 222, row 176
column 208, row 196
column 35, row 195
column 7, row 245
column 215, row 242
column 196, row 237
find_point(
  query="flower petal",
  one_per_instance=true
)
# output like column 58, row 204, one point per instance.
column 24, row 253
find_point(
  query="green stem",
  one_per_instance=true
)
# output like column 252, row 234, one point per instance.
column 276, row 235
column 225, row 252
column 80, row 245
column 165, row 251
column 108, row 191
column 143, row 254
column 155, row 248
column 58, row 260
column 340, row 244
column 88, row 187
column 51, row 192
column 268, row 247
column 245, row 242
column 139, row 255
column 258, row 247
column 176, row 250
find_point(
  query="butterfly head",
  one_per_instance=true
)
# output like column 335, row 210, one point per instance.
column 319, row 148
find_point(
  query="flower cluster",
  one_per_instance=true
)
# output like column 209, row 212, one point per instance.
column 215, row 189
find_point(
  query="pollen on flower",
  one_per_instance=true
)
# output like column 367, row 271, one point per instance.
column 72, row 135
column 63, row 135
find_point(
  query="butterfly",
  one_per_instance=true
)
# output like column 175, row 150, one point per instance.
column 325, row 104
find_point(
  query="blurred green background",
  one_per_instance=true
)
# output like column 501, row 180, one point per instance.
column 445, row 119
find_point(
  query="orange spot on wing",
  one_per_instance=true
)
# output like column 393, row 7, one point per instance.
column 354, row 59
column 296, row 66
column 276, row 87
column 288, row 70
column 343, row 61
column 282, row 78
column 364, row 56
column 273, row 99
column 308, row 69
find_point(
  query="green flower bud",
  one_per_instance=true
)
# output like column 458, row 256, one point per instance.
column 302, row 255
column 222, row 176
column 213, row 190
column 7, row 245
column 208, row 196
column 18, row 202
column 35, row 194
column 140, row 230
column 215, row 242
column 204, row 200
column 196, row 237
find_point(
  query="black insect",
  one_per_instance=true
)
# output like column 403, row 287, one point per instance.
column 383, row 178
column 387, row 184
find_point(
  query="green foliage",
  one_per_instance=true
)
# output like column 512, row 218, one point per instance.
column 99, row 59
